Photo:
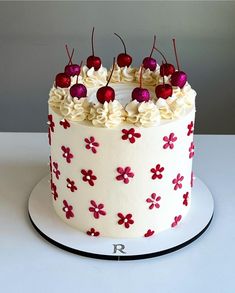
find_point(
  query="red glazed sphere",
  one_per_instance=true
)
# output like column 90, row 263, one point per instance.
column 124, row 60
column 179, row 78
column 140, row 94
column 105, row 94
column 150, row 63
column 78, row 90
column 167, row 69
column 163, row 91
column 72, row 70
column 93, row 61
column 62, row 80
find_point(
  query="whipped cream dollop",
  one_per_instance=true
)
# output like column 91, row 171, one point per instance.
column 75, row 109
column 148, row 77
column 107, row 115
column 56, row 96
column 122, row 74
column 144, row 114
column 92, row 77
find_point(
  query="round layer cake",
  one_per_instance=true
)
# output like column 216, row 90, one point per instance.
column 121, row 168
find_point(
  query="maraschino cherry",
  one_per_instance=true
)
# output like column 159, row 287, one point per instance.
column 140, row 94
column 106, row 93
column 178, row 78
column 149, row 62
column 123, row 59
column 71, row 69
column 93, row 61
column 166, row 68
column 78, row 90
column 62, row 80
column 164, row 90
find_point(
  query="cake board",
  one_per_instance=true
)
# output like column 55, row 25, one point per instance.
column 53, row 229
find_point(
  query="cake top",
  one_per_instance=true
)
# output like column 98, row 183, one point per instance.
column 148, row 95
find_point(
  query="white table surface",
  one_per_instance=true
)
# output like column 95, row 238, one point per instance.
column 28, row 263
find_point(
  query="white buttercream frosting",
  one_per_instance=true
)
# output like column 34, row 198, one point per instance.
column 144, row 114
column 92, row 77
column 107, row 115
column 122, row 74
column 148, row 77
column 75, row 109
column 56, row 96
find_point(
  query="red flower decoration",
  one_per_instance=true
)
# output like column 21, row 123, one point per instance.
column 66, row 154
column 169, row 141
column 153, row 201
column 185, row 197
column 149, row 233
column 176, row 221
column 97, row 210
column 190, row 128
column 125, row 174
column 157, row 172
column 191, row 150
column 64, row 123
column 50, row 164
column 91, row 144
column 92, row 232
column 51, row 123
column 88, row 176
column 71, row 185
column 126, row 220
column 130, row 134
column 68, row 210
column 177, row 181
column 54, row 190
column 192, row 179
column 56, row 171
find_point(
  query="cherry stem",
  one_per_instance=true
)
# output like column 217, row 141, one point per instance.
column 161, row 54
column 111, row 72
column 141, row 74
column 77, row 79
column 176, row 56
column 92, row 41
column 154, row 45
column 78, row 74
column 122, row 42
column 163, row 72
column 70, row 56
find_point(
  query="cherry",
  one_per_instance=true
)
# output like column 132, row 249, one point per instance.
column 166, row 67
column 178, row 78
column 106, row 93
column 123, row 59
column 164, row 90
column 71, row 69
column 78, row 90
column 149, row 62
column 93, row 61
column 62, row 80
column 140, row 94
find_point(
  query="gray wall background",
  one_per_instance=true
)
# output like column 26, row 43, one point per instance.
column 33, row 34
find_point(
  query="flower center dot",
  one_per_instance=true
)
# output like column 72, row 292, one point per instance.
column 125, row 220
column 125, row 176
column 92, row 234
column 88, row 177
column 91, row 145
column 66, row 209
column 69, row 185
column 129, row 135
column 96, row 209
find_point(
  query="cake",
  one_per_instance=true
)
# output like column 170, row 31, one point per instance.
column 121, row 144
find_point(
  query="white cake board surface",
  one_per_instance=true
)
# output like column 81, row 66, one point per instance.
column 53, row 229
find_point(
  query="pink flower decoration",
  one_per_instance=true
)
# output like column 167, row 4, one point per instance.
column 66, row 154
column 91, row 144
column 176, row 221
column 153, row 201
column 191, row 150
column 185, row 197
column 64, row 123
column 169, row 141
column 93, row 232
column 192, row 179
column 97, row 210
column 126, row 220
column 190, row 128
column 177, row 181
column 125, row 174
column 54, row 190
column 149, row 233
column 157, row 172
column 56, row 171
column 130, row 134
column 68, row 210
column 71, row 185
column 88, row 176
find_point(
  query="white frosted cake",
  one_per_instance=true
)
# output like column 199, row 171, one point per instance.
column 121, row 163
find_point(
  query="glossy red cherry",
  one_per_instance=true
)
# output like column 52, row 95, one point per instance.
column 168, row 68
column 71, row 69
column 62, row 80
column 149, row 62
column 123, row 59
column 106, row 93
column 140, row 94
column 78, row 90
column 163, row 91
column 93, row 61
